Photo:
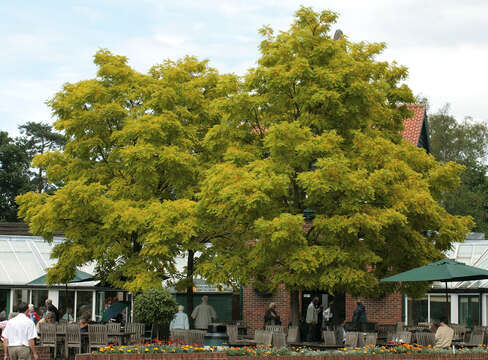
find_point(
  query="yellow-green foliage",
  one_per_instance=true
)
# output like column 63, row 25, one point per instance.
column 130, row 169
column 319, row 127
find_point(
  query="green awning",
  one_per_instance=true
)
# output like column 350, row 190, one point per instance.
column 444, row 270
column 79, row 277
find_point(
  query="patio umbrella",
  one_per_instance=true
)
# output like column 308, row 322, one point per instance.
column 445, row 270
column 113, row 310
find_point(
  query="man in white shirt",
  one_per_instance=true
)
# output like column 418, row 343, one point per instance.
column 18, row 336
column 312, row 318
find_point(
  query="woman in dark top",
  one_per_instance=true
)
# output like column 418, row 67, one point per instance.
column 271, row 317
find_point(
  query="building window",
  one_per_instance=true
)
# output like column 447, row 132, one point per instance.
column 39, row 300
column 469, row 310
column 417, row 310
column 438, row 307
column 4, row 302
column 84, row 301
column 21, row 295
column 66, row 304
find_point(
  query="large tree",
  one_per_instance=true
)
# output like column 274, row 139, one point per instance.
column 38, row 138
column 131, row 169
column 317, row 129
column 465, row 142
column 14, row 175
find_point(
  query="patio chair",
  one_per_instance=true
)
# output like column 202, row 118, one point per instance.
column 351, row 339
column 179, row 335
column 97, row 336
column 275, row 328
column 235, row 339
column 293, row 335
column 370, row 339
column 73, row 338
column 278, row 339
column 138, row 332
column 425, row 338
column 48, row 336
column 404, row 337
column 114, row 328
column 197, row 337
column 459, row 332
column 329, row 337
column 476, row 338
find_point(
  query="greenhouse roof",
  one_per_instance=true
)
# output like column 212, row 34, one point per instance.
column 474, row 252
column 25, row 258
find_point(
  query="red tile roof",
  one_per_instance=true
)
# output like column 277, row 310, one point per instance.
column 413, row 125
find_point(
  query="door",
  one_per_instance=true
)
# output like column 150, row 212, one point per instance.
column 469, row 310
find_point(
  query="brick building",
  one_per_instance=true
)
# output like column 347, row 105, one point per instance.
column 387, row 310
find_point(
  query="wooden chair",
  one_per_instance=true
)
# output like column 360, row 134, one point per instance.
column 138, row 332
column 179, row 335
column 404, row 336
column 48, row 336
column 73, row 338
column 275, row 328
column 60, row 338
column 459, row 331
column 329, row 337
column 234, row 339
column 197, row 337
column 114, row 328
column 425, row 338
column 370, row 339
column 97, row 336
column 267, row 338
column 293, row 335
column 278, row 339
column 351, row 339
column 476, row 338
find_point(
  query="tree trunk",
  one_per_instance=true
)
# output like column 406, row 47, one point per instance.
column 189, row 277
column 295, row 308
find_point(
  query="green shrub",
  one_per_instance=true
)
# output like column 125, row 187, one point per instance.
column 156, row 307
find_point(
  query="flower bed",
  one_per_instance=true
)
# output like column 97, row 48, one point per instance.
column 178, row 351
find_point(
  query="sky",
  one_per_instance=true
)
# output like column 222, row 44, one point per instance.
column 45, row 44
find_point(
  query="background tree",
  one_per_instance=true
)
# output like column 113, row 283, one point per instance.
column 466, row 143
column 317, row 127
column 37, row 139
column 14, row 175
column 156, row 307
column 131, row 169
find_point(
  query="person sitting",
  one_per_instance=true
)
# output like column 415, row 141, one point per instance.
column 180, row 321
column 50, row 318
column 444, row 334
column 83, row 325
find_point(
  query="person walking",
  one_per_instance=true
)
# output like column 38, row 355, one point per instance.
column 271, row 317
column 18, row 336
column 312, row 318
column 203, row 314
column 180, row 320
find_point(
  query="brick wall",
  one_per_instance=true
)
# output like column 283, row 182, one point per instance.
column 387, row 310
column 42, row 351
column 218, row 356
column 254, row 306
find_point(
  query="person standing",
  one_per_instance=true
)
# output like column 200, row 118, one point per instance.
column 328, row 317
column 51, row 308
column 33, row 315
column 180, row 321
column 271, row 317
column 18, row 336
column 359, row 316
column 203, row 314
column 312, row 318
